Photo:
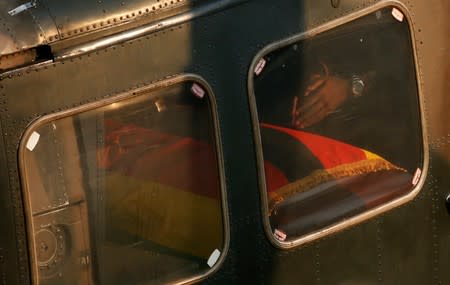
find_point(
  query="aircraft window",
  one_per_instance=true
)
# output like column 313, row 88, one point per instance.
column 338, row 121
column 129, row 192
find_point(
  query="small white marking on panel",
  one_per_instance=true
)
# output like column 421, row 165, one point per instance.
column 260, row 66
column 197, row 90
column 213, row 258
column 22, row 8
column 416, row 176
column 279, row 235
column 397, row 14
column 33, row 140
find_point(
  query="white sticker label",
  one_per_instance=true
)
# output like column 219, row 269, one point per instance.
column 213, row 258
column 397, row 14
column 22, row 8
column 260, row 66
column 33, row 140
column 197, row 90
column 279, row 235
column 416, row 176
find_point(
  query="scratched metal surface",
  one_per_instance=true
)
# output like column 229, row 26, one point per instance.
column 407, row 245
column 73, row 18
column 24, row 30
column 51, row 21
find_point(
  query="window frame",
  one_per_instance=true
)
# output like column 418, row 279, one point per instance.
column 115, row 98
column 368, row 214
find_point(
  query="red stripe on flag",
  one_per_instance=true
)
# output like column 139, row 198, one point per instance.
column 275, row 178
column 150, row 155
column 329, row 152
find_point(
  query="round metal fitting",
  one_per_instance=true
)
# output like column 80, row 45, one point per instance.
column 51, row 245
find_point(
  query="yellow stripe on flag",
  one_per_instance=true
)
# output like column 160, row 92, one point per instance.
column 177, row 219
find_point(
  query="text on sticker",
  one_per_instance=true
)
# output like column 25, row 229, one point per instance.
column 279, row 235
column 33, row 140
column 213, row 258
column 397, row 14
column 416, row 176
column 260, row 66
column 197, row 90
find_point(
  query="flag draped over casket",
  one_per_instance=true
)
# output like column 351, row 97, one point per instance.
column 162, row 188
column 313, row 181
column 165, row 188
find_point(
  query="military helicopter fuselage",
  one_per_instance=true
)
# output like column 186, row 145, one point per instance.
column 224, row 141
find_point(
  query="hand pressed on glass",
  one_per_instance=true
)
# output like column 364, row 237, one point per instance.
column 322, row 96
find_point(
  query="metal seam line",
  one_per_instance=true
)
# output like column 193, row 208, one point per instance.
column 141, row 31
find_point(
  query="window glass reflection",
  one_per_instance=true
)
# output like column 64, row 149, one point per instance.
column 128, row 193
column 340, row 123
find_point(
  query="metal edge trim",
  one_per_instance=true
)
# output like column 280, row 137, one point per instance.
column 146, row 29
column 19, row 70
column 117, row 98
column 337, row 227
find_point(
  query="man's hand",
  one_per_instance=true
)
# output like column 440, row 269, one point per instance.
column 320, row 98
